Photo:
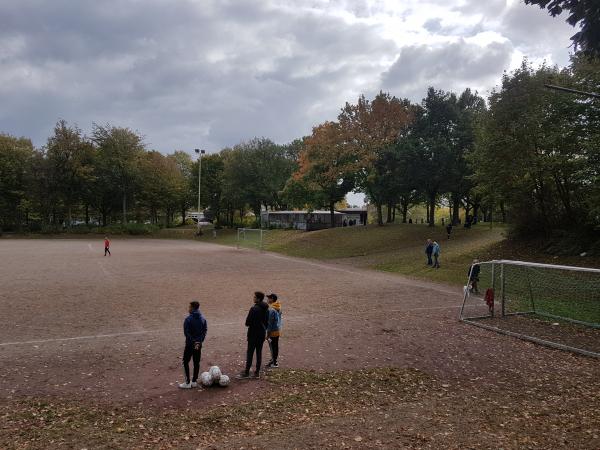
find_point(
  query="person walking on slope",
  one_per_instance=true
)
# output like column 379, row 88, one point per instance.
column 256, row 321
column 274, row 328
column 106, row 246
column 428, row 251
column 194, row 329
column 449, row 229
column 436, row 254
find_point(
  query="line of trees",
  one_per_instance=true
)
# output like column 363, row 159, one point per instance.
column 528, row 155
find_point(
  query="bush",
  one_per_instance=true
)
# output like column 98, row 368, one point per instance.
column 134, row 229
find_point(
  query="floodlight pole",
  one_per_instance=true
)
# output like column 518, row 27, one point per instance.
column 200, row 153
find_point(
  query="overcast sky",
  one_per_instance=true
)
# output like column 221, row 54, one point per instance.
column 211, row 73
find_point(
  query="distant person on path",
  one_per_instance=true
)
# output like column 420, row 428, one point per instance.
column 449, row 229
column 257, row 321
column 274, row 328
column 194, row 329
column 106, row 246
column 474, row 270
column 436, row 255
column 429, row 251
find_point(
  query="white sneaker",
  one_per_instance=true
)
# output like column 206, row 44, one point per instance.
column 194, row 384
column 185, row 385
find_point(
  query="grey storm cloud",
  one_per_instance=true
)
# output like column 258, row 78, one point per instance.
column 452, row 67
column 211, row 73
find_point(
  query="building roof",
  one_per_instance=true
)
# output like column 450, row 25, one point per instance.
column 301, row 212
column 352, row 210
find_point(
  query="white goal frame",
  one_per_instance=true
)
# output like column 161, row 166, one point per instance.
column 241, row 236
column 497, row 267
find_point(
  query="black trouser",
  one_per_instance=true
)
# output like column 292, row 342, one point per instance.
column 429, row 261
column 255, row 344
column 274, row 345
column 189, row 353
column 106, row 249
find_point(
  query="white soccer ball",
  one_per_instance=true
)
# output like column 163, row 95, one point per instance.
column 224, row 381
column 206, row 379
column 215, row 373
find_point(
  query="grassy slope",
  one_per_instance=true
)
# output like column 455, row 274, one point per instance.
column 394, row 248
column 399, row 248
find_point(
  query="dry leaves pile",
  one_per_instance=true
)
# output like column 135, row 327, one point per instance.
column 367, row 408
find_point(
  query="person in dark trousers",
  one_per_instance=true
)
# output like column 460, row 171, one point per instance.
column 428, row 251
column 449, row 229
column 436, row 255
column 106, row 246
column 474, row 270
column 257, row 321
column 194, row 329
column 274, row 329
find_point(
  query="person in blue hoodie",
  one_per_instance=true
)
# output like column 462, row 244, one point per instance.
column 194, row 329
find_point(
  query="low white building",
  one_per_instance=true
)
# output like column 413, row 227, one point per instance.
column 307, row 220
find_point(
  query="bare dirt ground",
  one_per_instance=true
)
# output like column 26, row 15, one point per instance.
column 90, row 355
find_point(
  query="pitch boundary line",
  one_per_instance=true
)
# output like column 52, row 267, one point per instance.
column 218, row 324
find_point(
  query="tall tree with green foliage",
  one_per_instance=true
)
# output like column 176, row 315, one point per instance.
column 70, row 161
column 432, row 146
column 531, row 150
column 255, row 172
column 120, row 150
column 16, row 176
column 185, row 191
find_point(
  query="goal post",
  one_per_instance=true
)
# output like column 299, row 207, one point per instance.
column 251, row 237
column 559, row 303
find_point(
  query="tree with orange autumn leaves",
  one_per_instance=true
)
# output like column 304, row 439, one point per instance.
column 327, row 168
column 341, row 156
column 369, row 130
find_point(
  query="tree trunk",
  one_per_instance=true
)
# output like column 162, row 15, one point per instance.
column 432, row 210
column 389, row 213
column 476, row 210
column 379, row 214
column 455, row 208
column 124, row 208
column 183, row 208
column 404, row 211
column 503, row 212
column 332, row 214
column 69, row 217
column 87, row 214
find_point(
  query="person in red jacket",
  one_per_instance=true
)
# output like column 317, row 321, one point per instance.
column 106, row 246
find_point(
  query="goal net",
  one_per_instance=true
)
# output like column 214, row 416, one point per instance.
column 251, row 237
column 549, row 304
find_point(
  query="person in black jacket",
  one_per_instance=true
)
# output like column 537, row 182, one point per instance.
column 194, row 329
column 257, row 321
column 474, row 270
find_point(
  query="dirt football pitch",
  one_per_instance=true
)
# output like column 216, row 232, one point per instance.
column 80, row 332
